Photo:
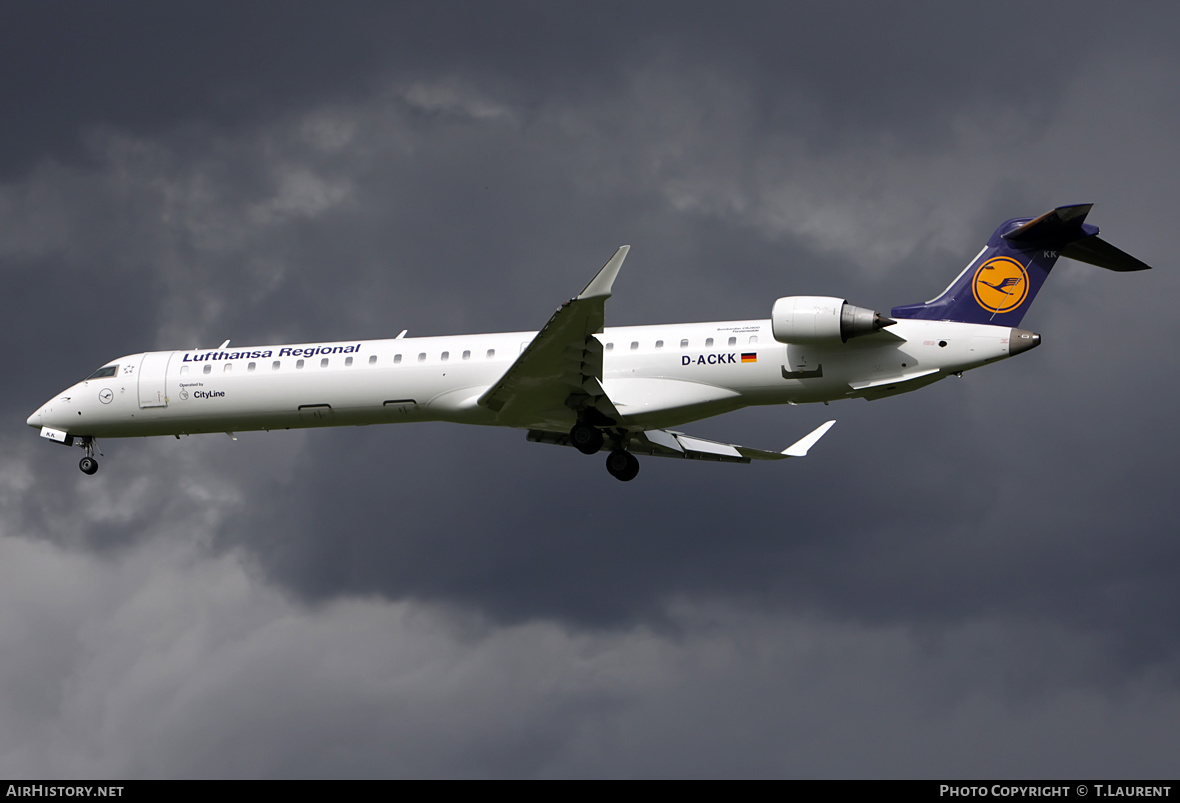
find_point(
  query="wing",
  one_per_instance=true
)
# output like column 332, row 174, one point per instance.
column 667, row 443
column 560, row 371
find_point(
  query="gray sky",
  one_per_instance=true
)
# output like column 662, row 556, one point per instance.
column 975, row 580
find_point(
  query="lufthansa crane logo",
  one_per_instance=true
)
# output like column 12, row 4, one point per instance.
column 1000, row 284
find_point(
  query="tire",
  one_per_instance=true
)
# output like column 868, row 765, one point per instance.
column 623, row 466
column 586, row 439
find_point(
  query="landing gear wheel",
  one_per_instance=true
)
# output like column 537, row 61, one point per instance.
column 88, row 464
column 586, row 439
column 622, row 465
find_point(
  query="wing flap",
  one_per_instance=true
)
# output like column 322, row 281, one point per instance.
column 713, row 448
column 669, row 443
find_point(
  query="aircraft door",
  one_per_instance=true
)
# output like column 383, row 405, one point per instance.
column 153, row 374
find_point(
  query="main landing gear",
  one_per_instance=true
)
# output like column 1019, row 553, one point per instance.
column 88, row 464
column 622, row 465
column 588, row 439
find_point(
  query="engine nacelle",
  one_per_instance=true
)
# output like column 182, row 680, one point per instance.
column 822, row 319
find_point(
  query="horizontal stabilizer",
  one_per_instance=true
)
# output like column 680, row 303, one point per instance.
column 1063, row 229
column 1000, row 283
column 1094, row 250
column 1060, row 226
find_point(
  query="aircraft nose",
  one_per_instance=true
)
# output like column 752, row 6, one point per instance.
column 35, row 420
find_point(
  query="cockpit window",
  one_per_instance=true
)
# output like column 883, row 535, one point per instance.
column 105, row 371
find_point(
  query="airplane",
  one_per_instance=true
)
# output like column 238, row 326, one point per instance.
column 578, row 383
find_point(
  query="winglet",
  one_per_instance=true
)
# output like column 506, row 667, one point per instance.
column 600, row 285
column 799, row 448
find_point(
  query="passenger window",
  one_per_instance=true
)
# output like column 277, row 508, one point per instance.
column 446, row 355
column 753, row 339
column 184, row 369
column 491, row 353
column 684, row 343
column 324, row 362
column 274, row 366
column 347, row 361
column 659, row 344
column 373, row 359
column 467, row 355
column 208, row 369
column 708, row 342
column 298, row 364
column 610, row 346
column 422, row 357
column 229, row 366
column 251, row 366
column 397, row 358
column 733, row 341
column 634, row 345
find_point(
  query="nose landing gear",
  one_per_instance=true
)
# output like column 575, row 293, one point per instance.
column 88, row 464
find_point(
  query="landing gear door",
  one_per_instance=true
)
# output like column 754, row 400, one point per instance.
column 153, row 373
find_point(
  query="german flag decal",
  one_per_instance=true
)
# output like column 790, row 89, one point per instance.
column 749, row 356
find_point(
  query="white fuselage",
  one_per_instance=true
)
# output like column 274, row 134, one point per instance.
column 657, row 376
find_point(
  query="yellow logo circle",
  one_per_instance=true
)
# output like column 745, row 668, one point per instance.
column 1000, row 284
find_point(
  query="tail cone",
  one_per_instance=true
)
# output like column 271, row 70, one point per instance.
column 1021, row 340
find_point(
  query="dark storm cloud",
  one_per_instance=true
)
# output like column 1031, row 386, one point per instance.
column 151, row 69
column 994, row 550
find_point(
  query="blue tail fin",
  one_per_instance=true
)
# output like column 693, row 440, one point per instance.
column 999, row 285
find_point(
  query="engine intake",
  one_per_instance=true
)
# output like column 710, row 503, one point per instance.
column 822, row 319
